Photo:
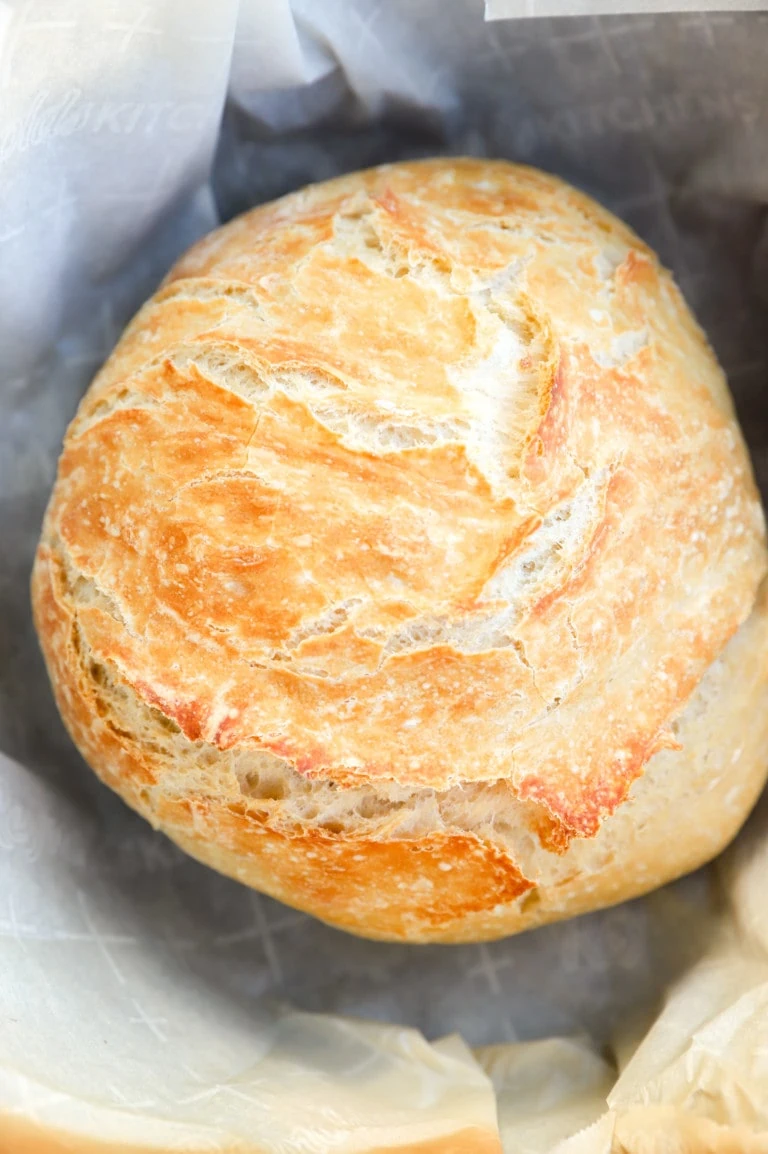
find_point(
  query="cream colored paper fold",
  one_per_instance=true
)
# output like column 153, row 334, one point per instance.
column 546, row 1090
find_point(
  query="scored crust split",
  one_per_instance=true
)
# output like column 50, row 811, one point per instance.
column 405, row 561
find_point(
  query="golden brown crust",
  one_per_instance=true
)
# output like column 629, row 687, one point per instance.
column 443, row 887
column 423, row 478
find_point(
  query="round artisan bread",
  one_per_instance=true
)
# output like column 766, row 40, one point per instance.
column 405, row 561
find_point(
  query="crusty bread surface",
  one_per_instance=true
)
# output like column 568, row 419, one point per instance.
column 405, row 560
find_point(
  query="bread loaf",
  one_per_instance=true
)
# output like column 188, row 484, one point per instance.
column 405, row 561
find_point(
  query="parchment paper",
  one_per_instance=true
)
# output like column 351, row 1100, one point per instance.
column 125, row 132
column 504, row 9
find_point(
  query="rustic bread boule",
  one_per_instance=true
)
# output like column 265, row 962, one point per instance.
column 405, row 561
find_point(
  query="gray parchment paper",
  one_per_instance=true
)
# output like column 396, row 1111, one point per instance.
column 128, row 130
